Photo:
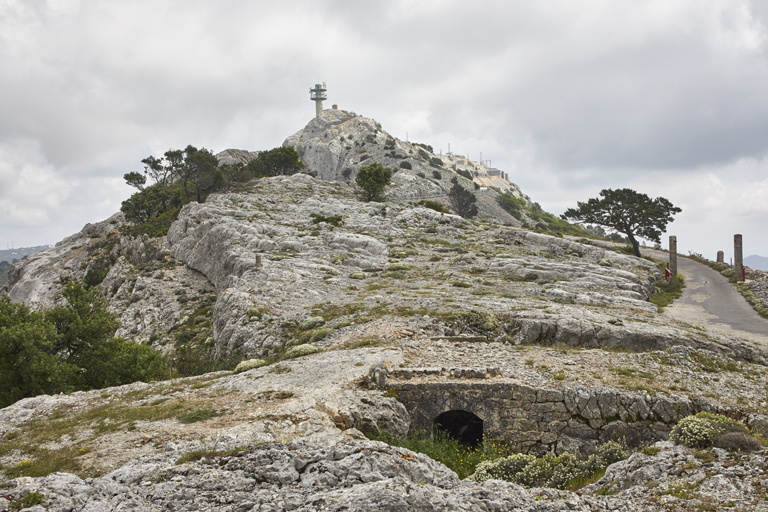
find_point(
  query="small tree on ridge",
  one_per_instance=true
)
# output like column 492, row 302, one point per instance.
column 372, row 180
column 627, row 212
column 462, row 201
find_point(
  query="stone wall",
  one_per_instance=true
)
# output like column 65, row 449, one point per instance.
column 537, row 420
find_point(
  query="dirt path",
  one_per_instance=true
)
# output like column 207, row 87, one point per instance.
column 710, row 301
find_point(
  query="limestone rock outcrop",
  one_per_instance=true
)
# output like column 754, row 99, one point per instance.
column 337, row 143
column 374, row 476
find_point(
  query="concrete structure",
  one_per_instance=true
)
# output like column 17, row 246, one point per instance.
column 720, row 257
column 317, row 94
column 738, row 258
column 533, row 420
column 673, row 255
column 497, row 172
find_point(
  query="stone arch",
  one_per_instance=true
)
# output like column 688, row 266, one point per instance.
column 464, row 426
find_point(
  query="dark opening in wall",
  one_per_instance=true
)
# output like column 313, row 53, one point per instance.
column 463, row 426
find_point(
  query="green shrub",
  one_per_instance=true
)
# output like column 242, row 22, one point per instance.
column 398, row 274
column 300, row 350
column 465, row 174
column 255, row 313
column 199, row 415
column 372, row 180
column 433, row 205
column 481, row 320
column 459, row 458
column 549, row 470
column 311, row 323
column 68, row 348
column 28, row 501
column 405, row 165
column 250, row 364
column 333, row 220
column 437, row 174
column 399, row 266
column 357, row 275
column 703, row 429
column 319, row 335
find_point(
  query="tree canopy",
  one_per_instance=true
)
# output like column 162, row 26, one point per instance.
column 68, row 348
column 282, row 161
column 462, row 201
column 372, row 180
column 627, row 211
column 190, row 174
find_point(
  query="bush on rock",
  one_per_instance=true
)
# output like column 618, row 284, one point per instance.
column 704, row 429
column 549, row 470
column 250, row 364
column 311, row 323
column 300, row 350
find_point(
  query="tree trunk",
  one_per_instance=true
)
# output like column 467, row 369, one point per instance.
column 634, row 242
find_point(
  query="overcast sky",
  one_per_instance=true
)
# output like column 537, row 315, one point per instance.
column 668, row 97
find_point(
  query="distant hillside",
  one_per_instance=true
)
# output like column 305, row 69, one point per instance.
column 756, row 262
column 4, row 267
column 16, row 254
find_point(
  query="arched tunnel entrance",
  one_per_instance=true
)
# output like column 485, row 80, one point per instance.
column 463, row 426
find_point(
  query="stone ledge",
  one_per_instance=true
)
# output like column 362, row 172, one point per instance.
column 451, row 373
column 461, row 339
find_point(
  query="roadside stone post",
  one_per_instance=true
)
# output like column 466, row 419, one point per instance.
column 258, row 261
column 720, row 257
column 738, row 258
column 673, row 255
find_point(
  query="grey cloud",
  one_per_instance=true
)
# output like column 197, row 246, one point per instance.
column 571, row 98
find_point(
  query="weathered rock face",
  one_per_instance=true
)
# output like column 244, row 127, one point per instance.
column 393, row 291
column 38, row 279
column 760, row 288
column 267, row 255
column 337, row 143
column 236, row 156
column 374, row 476
column 282, row 257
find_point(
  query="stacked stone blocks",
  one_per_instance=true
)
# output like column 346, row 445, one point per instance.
column 537, row 420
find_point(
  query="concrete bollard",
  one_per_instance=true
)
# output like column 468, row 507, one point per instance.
column 738, row 258
column 258, row 260
column 720, row 257
column 673, row 255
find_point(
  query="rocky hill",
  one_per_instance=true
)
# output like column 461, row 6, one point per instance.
column 411, row 313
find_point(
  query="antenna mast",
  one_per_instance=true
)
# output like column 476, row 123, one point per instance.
column 318, row 95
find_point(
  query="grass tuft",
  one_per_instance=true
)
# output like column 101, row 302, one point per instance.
column 668, row 292
column 198, row 415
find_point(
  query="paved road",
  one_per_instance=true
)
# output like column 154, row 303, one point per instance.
column 710, row 301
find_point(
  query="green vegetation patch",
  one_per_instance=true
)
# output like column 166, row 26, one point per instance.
column 300, row 350
column 198, row 415
column 753, row 299
column 481, row 320
column 459, row 458
column 333, row 220
column 68, row 348
column 668, row 292
column 561, row 472
column 100, row 420
column 433, row 205
column 704, row 430
column 250, row 364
